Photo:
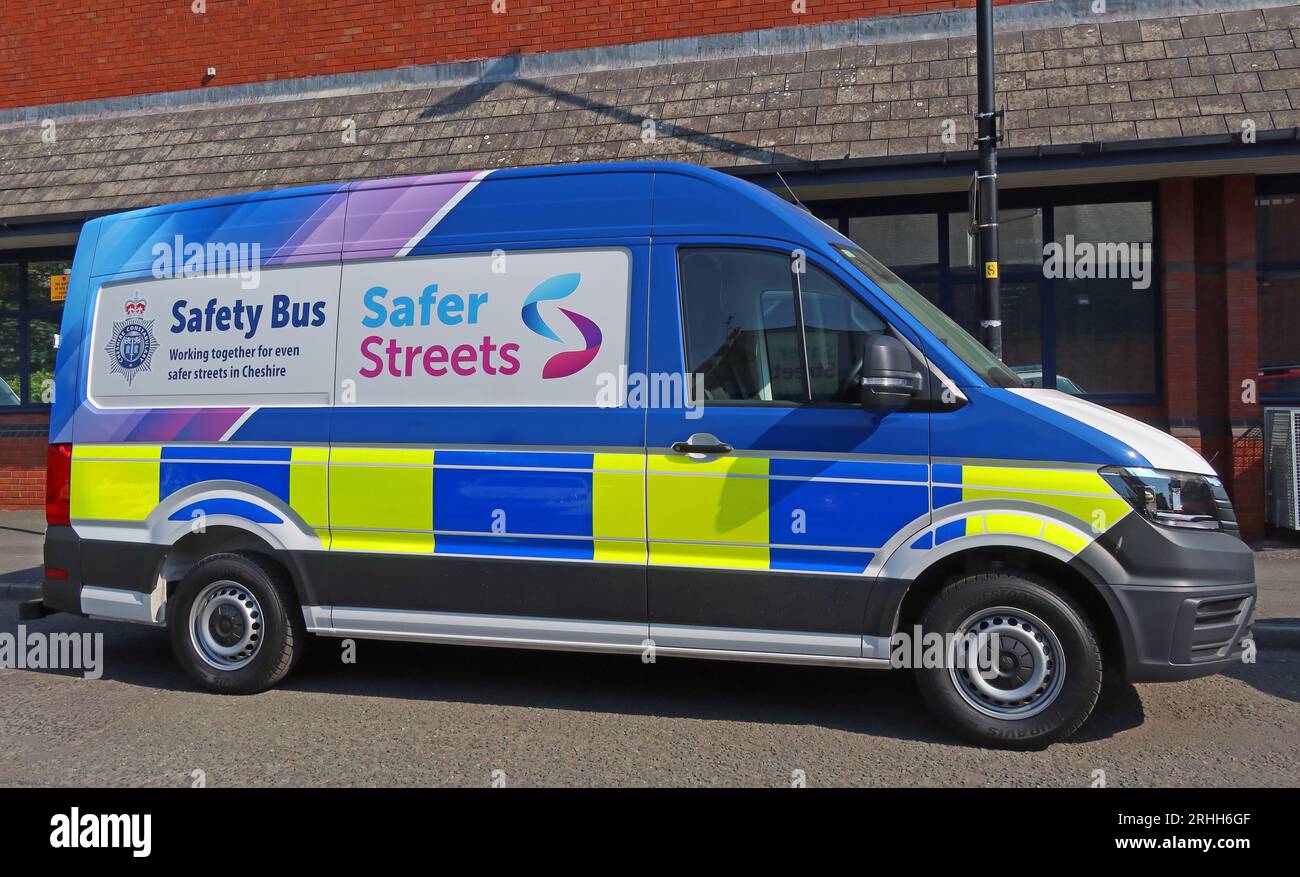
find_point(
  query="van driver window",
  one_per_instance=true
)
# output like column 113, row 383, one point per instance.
column 741, row 334
column 837, row 327
column 740, row 325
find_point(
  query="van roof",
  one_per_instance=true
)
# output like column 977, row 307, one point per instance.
column 428, row 213
column 553, row 170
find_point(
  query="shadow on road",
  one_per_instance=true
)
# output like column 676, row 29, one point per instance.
column 861, row 701
column 32, row 575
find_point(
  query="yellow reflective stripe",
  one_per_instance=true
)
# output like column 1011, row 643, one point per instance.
column 368, row 492
column 609, row 551
column 1017, row 525
column 384, row 541
column 1067, row 539
column 1095, row 512
column 381, row 456
column 309, row 485
column 1028, row 478
column 123, row 487
column 685, row 465
column 618, row 507
column 116, row 452
column 725, row 556
column 1054, row 488
column 686, row 509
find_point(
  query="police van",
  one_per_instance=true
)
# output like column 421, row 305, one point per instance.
column 611, row 408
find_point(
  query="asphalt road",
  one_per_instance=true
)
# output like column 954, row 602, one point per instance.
column 416, row 715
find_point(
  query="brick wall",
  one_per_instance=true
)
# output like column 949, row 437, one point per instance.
column 60, row 50
column 1211, row 331
column 23, row 443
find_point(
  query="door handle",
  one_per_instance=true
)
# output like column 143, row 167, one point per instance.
column 702, row 444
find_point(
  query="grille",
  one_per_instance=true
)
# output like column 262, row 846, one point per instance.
column 1217, row 626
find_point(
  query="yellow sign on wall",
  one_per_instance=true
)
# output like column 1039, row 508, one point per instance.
column 58, row 287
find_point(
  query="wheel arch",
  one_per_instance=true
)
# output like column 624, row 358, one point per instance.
column 194, row 546
column 1075, row 578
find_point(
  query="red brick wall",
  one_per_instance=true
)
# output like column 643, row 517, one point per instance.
column 22, row 462
column 1211, row 331
column 63, row 50
column 1241, row 354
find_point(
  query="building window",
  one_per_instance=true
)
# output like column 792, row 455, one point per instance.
column 29, row 324
column 1086, row 324
column 1278, row 281
column 1105, row 324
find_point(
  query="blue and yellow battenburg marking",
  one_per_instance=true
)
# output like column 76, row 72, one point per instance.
column 127, row 482
column 779, row 514
column 741, row 512
column 549, row 505
column 1081, row 494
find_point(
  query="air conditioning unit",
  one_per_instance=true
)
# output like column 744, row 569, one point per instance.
column 1282, row 467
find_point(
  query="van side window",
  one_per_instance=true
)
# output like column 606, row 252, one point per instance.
column 837, row 327
column 739, row 310
column 741, row 328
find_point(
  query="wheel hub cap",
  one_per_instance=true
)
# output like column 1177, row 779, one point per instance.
column 226, row 625
column 1006, row 663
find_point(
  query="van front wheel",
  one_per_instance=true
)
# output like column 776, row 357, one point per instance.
column 1022, row 668
column 235, row 625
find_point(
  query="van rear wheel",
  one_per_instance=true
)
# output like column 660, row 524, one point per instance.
column 1022, row 666
column 235, row 624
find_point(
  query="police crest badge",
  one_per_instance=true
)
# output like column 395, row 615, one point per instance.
column 132, row 346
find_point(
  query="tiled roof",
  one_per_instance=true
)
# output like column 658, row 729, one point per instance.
column 1114, row 81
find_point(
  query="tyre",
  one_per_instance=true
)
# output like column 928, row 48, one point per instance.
column 1023, row 668
column 235, row 624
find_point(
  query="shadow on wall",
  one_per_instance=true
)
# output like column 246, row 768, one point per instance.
column 503, row 71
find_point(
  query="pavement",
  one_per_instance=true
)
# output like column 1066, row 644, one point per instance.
column 417, row 715
column 22, row 535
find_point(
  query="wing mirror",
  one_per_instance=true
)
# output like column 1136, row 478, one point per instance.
column 888, row 380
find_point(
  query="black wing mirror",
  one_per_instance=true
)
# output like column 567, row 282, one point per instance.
column 888, row 380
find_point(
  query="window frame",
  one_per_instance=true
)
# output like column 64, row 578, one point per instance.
column 947, row 279
column 1272, row 187
column 23, row 315
column 800, row 328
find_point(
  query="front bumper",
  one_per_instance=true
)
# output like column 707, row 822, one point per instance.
column 1183, row 634
column 1183, row 600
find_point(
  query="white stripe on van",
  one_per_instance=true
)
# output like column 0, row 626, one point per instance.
column 243, row 418
column 446, row 208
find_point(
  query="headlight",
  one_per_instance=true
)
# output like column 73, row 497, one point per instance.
column 1178, row 499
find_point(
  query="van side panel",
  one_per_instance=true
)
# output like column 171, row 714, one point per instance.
column 405, row 496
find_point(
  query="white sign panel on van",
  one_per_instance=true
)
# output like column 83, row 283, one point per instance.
column 518, row 328
column 209, row 342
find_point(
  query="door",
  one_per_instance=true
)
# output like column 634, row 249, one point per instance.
column 770, row 491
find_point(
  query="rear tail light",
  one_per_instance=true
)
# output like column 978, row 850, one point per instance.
column 58, row 485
